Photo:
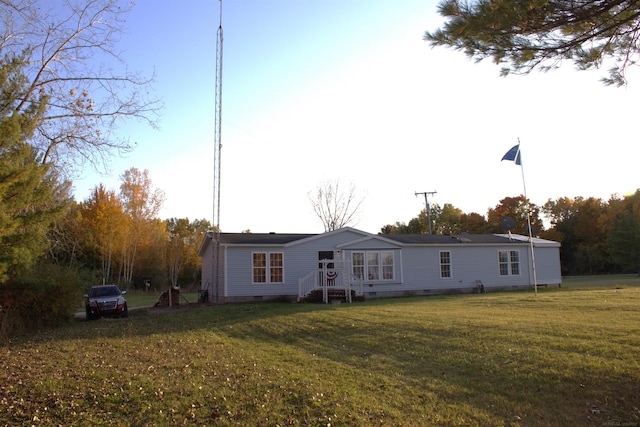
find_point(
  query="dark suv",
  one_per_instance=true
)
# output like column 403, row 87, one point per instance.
column 105, row 300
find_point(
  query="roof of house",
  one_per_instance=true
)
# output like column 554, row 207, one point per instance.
column 262, row 238
column 406, row 239
column 445, row 239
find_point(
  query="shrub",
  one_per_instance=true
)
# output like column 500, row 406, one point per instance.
column 47, row 296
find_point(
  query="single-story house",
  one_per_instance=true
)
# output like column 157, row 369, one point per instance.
column 240, row 267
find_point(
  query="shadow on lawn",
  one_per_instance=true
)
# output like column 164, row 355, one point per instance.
column 484, row 369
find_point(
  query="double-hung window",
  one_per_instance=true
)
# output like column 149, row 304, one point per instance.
column 373, row 265
column 509, row 263
column 445, row 264
column 268, row 267
column 357, row 263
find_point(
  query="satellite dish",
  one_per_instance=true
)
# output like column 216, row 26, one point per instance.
column 507, row 223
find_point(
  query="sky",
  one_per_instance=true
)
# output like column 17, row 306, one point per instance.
column 316, row 91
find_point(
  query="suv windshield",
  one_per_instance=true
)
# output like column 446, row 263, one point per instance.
column 107, row 291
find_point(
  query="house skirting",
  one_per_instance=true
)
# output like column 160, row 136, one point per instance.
column 378, row 294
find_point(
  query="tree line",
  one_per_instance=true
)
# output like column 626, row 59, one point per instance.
column 597, row 236
column 118, row 237
column 64, row 91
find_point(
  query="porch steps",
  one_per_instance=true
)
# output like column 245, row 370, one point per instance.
column 337, row 295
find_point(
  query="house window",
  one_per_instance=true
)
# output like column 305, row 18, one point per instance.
column 373, row 265
column 387, row 265
column 509, row 263
column 445, row 264
column 515, row 262
column 268, row 272
column 277, row 268
column 357, row 262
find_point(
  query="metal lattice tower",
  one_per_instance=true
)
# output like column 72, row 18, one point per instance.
column 218, row 126
column 215, row 265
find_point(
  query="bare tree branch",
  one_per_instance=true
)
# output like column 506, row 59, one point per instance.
column 71, row 48
column 335, row 208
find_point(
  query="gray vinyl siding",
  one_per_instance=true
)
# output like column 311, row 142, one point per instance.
column 547, row 266
column 299, row 259
column 421, row 268
column 416, row 264
column 208, row 272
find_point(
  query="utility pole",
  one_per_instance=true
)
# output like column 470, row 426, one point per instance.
column 426, row 202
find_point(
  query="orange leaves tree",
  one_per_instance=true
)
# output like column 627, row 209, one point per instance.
column 141, row 203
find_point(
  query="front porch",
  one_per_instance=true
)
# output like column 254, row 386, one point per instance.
column 334, row 280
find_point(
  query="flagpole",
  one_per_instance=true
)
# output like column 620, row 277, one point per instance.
column 533, row 257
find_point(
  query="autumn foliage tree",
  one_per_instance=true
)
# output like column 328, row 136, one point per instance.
column 521, row 210
column 141, row 203
column 185, row 238
column 104, row 222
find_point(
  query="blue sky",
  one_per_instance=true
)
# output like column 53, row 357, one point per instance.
column 346, row 89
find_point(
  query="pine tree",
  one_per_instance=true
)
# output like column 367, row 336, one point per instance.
column 527, row 34
column 30, row 195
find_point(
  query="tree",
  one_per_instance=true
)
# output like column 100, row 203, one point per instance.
column 624, row 242
column 31, row 197
column 414, row 227
column 334, row 207
column 622, row 227
column 529, row 34
column 179, row 234
column 517, row 208
column 182, row 250
column 580, row 224
column 67, row 237
column 447, row 220
column 104, row 223
column 473, row 223
column 141, row 203
column 71, row 58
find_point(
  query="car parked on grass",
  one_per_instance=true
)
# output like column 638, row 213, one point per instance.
column 105, row 300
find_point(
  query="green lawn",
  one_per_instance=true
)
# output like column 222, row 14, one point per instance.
column 568, row 356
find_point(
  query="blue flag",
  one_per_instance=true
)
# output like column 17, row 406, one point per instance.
column 513, row 155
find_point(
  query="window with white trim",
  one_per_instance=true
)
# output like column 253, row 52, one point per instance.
column 514, row 257
column 373, row 265
column 445, row 264
column 268, row 267
column 509, row 263
column 357, row 263
column 387, row 265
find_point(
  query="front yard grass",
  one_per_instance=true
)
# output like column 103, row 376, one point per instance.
column 564, row 357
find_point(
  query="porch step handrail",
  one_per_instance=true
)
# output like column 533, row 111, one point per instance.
column 307, row 284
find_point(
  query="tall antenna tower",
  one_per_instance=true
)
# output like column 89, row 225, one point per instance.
column 218, row 127
column 215, row 265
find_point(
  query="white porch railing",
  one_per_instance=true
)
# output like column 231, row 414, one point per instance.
column 307, row 284
column 335, row 275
